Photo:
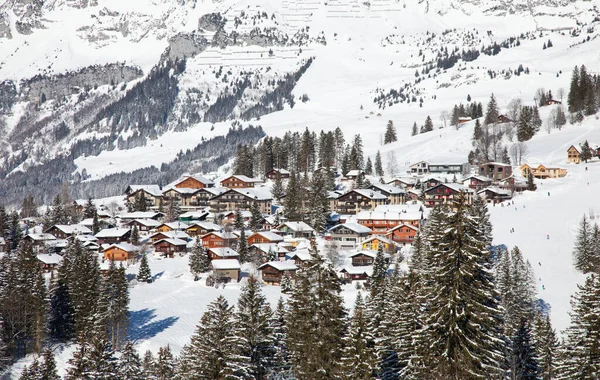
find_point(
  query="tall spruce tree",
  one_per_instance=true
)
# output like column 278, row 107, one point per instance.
column 584, row 251
column 390, row 133
column 277, row 190
column 428, row 126
column 48, row 369
column 378, row 165
column 369, row 167
column 293, row 198
column 216, row 348
column 582, row 344
column 144, row 273
column 253, row 319
column 242, row 247
column 198, row 260
column 546, row 346
column 463, row 319
column 491, row 113
column 280, row 361
column 318, row 202
column 525, row 364
column 165, row 364
column 358, row 360
column 256, row 217
column 129, row 364
column 316, row 321
column 525, row 128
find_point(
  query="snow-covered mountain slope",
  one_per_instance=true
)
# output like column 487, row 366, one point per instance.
column 92, row 88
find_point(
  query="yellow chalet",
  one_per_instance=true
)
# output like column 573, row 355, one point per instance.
column 543, row 172
column 374, row 242
column 573, row 155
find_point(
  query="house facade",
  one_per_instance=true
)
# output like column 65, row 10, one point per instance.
column 496, row 171
column 349, row 235
column 242, row 199
column 573, row 155
column 543, row 172
column 358, row 200
column 275, row 173
column 447, row 168
column 446, row 193
column 170, row 247
column 477, row 182
column 218, row 240
column 273, row 272
column 229, row 268
column 193, row 182
column 421, row 167
column 121, row 252
column 395, row 195
column 402, row 234
column 239, row 181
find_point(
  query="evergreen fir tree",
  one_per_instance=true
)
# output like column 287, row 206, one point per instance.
column 561, row 118
column 369, row 167
column 286, row 283
column 148, row 366
column 378, row 165
column 48, row 368
column 90, row 209
column 141, row 203
column 277, row 191
column 256, row 218
column 281, row 355
column 535, row 118
column 238, row 222
column 165, row 364
column 242, row 247
column 253, row 320
column 135, row 236
column 531, row 186
column 525, row 363
column 582, row 345
column 415, row 130
column 318, row 202
column 586, row 152
column 60, row 321
column 428, row 126
column 95, row 224
column 293, row 198
column 358, row 360
column 129, row 364
column 357, row 160
column 390, row 133
column 492, row 113
column 215, row 350
column 379, row 271
column 584, row 251
column 198, row 260
column 144, row 273
column 316, row 321
column 101, row 360
column 462, row 294
column 546, row 345
column 525, row 128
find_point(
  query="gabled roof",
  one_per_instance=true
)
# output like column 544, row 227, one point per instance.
column 301, row 254
column 280, row 171
column 454, row 186
column 71, row 229
column 354, row 173
column 256, row 193
column 209, row 226
column 153, row 190
column 372, row 254
column 50, row 258
column 181, row 190
column 146, row 222
column 367, row 269
column 280, row 265
column 408, row 181
column 225, row 264
column 194, row 214
column 172, row 241
column 354, row 227
column 494, row 163
column 224, row 252
column 112, row 232
column 495, row 190
column 270, row 247
column 141, row 215
column 175, row 225
column 382, row 239
column 368, row 193
column 197, row 177
column 389, row 215
column 174, row 234
column 243, row 178
column 402, row 225
column 123, row 246
column 41, row 237
column 297, row 226
column 387, row 188
column 222, row 235
column 477, row 177
column 576, row 148
column 272, row 236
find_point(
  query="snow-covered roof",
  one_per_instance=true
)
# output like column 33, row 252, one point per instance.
column 124, row 246
column 209, row 226
column 372, row 254
column 172, row 241
column 382, row 239
column 495, row 163
column 257, row 193
column 454, row 186
column 72, row 229
column 193, row 215
column 388, row 215
column 496, row 190
column 225, row 264
column 403, row 225
column 390, row 189
column 88, row 222
column 272, row 236
column 147, row 222
column 302, row 254
column 355, row 227
column 406, row 180
column 50, row 259
column 176, row 225
column 41, row 237
column 174, row 234
column 85, row 238
column 112, row 232
column 333, row 194
column 477, row 177
column 243, row 178
column 181, row 190
column 222, row 235
column 354, row 173
column 298, row 226
column 224, row 252
column 281, row 171
column 197, row 177
column 367, row 269
column 150, row 189
column 368, row 193
column 270, row 247
column 140, row 215
column 280, row 265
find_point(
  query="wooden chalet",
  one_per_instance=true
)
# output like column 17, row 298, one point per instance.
column 49, row 261
column 430, row 182
column 143, row 225
column 267, row 250
column 363, row 258
column 152, row 194
column 170, row 247
column 403, row 234
column 348, row 235
column 172, row 226
column 574, row 155
column 404, row 183
column 173, row 234
column 477, row 182
column 273, row 271
column 218, row 239
column 375, row 241
column 242, row 199
column 504, row 119
column 113, row 236
column 296, row 229
column 300, row 256
column 542, row 171
column 221, row 253
column 277, row 173
column 264, row 237
column 120, row 252
column 382, row 221
column 129, row 216
column 38, row 242
column 497, row 171
column 229, row 268
column 464, row 119
column 550, row 102
column 495, row 195
column 64, row 231
column 446, row 193
column 357, row 273
column 357, row 200
column 201, row 228
column 193, row 182
column 239, row 181
column 395, row 195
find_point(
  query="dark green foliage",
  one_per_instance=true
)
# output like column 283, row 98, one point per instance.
column 256, row 217
column 277, row 191
column 242, row 247
column 531, row 186
column 165, row 364
column 428, row 126
column 546, row 346
column 525, row 365
column 586, row 254
column 491, row 113
column 586, row 152
column 526, row 127
column 293, row 199
column 130, row 365
column 359, row 360
column 390, row 133
column 144, row 273
column 198, row 260
column 378, row 165
column 318, row 202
